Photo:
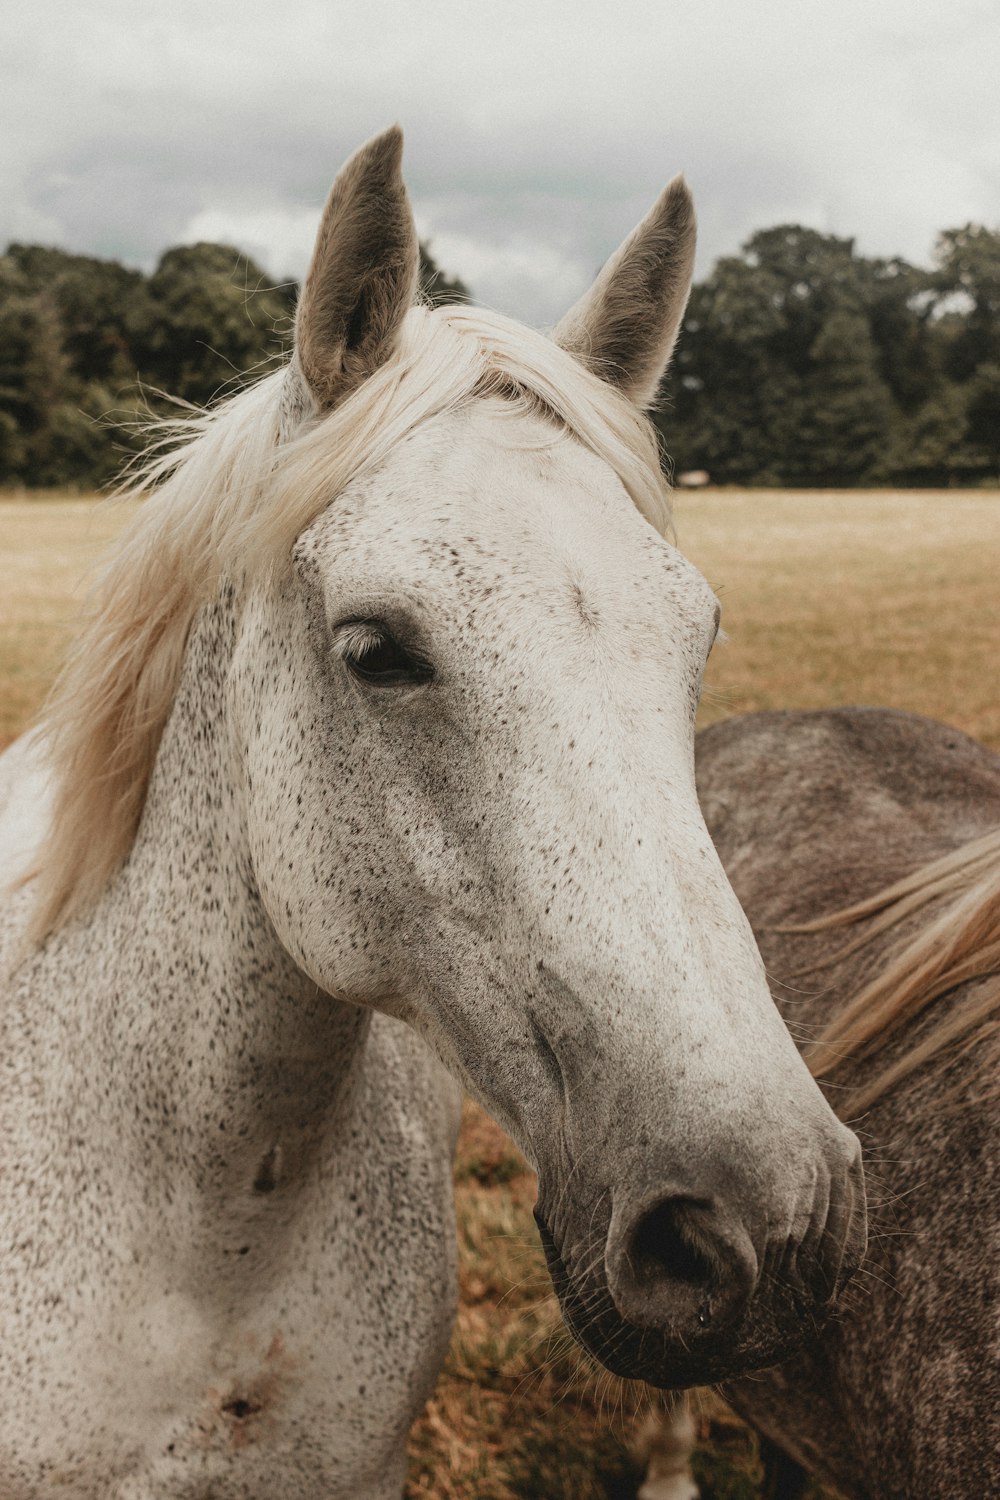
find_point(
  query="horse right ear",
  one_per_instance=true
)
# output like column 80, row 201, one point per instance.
column 362, row 279
column 625, row 326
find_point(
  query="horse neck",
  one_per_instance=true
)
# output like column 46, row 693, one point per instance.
column 211, row 1025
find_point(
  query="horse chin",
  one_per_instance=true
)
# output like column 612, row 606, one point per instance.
column 669, row 1358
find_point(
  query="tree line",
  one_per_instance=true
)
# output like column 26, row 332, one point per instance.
column 801, row 362
column 91, row 350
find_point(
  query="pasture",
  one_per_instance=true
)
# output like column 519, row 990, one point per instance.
column 828, row 598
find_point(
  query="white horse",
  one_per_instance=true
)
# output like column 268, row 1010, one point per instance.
column 371, row 777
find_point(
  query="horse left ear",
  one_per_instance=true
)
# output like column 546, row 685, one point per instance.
column 363, row 275
column 625, row 326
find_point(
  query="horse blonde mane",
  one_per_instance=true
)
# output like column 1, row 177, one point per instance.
column 224, row 497
column 961, row 943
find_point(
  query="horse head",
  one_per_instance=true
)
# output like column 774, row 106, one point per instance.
column 465, row 714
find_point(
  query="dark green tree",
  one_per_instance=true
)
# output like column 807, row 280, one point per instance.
column 802, row 362
column 209, row 317
column 65, row 365
column 928, row 446
column 968, row 263
column 435, row 285
column 981, row 446
column 94, row 300
column 846, row 415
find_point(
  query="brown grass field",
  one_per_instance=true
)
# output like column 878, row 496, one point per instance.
column 828, row 598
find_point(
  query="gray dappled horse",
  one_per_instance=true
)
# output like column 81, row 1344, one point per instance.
column 372, row 776
column 879, row 833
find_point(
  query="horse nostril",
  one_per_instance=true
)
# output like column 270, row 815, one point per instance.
column 681, row 1263
column 664, row 1245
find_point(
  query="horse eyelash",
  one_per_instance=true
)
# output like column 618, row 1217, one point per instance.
column 356, row 638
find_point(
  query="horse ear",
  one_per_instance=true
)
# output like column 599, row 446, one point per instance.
column 363, row 275
column 625, row 326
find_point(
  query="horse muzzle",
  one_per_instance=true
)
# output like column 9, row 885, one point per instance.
column 686, row 1292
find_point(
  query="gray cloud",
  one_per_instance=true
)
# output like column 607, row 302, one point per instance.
column 536, row 136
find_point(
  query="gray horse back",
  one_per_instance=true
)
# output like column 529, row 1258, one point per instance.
column 812, row 812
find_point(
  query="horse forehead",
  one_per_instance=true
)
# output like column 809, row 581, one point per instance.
column 502, row 494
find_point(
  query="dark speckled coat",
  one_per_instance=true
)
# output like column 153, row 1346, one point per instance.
column 811, row 812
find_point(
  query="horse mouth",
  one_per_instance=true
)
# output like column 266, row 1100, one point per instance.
column 668, row 1357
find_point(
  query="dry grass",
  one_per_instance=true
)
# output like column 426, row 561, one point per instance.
column 843, row 597
column 828, row 598
column 47, row 545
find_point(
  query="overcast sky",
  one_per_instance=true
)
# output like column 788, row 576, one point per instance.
column 537, row 131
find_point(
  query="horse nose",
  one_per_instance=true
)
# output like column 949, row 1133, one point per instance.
column 685, row 1263
column 681, row 1263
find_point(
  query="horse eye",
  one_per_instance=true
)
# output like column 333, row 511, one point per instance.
column 373, row 654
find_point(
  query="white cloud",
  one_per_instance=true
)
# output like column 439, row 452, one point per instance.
column 279, row 239
column 520, row 276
